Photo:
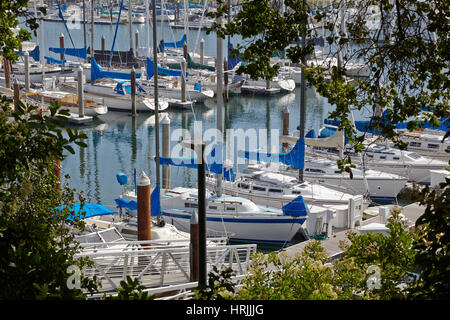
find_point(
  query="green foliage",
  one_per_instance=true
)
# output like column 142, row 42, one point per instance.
column 394, row 255
column 220, row 286
column 432, row 258
column 10, row 41
column 35, row 246
column 130, row 290
column 280, row 277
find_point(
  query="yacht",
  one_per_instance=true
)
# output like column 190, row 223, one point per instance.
column 239, row 218
column 378, row 185
column 427, row 142
column 382, row 157
column 276, row 190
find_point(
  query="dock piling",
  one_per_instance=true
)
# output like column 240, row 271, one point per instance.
column 165, row 123
column 143, row 207
column 80, row 92
column 26, row 57
column 202, row 51
column 285, row 126
column 16, row 95
column 183, row 80
column 133, row 91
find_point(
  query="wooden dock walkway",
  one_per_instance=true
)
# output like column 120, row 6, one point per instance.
column 411, row 212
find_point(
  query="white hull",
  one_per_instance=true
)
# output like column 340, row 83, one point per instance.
column 279, row 229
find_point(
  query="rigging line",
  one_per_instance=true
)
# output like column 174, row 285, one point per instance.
column 65, row 25
column 115, row 36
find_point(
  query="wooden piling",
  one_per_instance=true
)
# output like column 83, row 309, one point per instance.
column 103, row 44
column 133, row 91
column 16, row 95
column 143, row 207
column 165, row 123
column 285, row 126
column 183, row 80
column 26, row 57
column 136, row 38
column 202, row 51
column 61, row 45
column 225, row 79
column 7, row 70
column 80, row 92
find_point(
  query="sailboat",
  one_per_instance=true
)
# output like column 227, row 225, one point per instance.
column 114, row 93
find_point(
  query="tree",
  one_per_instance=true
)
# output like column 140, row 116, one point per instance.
column 10, row 39
column 35, row 246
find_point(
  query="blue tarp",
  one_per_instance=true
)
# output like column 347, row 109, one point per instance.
column 161, row 70
column 98, row 73
column 75, row 52
column 296, row 208
column 89, row 210
column 294, row 158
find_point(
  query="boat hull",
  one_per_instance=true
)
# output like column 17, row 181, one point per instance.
column 245, row 228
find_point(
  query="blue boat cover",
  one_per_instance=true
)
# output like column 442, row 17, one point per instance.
column 311, row 134
column 122, row 178
column 296, row 208
column 155, row 204
column 75, row 52
column 177, row 44
column 212, row 163
column 88, row 210
column 35, row 53
column 232, row 62
column 294, row 158
column 161, row 70
column 51, row 60
column 98, row 73
column 129, row 204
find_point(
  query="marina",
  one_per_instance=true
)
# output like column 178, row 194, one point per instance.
column 190, row 166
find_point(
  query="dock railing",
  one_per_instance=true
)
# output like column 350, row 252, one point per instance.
column 158, row 266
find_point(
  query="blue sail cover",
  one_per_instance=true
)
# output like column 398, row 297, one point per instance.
column 35, row 53
column 74, row 52
column 128, row 204
column 212, row 164
column 89, row 210
column 51, row 60
column 161, row 70
column 178, row 44
column 155, row 204
column 294, row 158
column 98, row 73
column 296, row 208
column 232, row 62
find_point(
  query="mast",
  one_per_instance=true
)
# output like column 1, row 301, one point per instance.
column 147, row 27
column 84, row 23
column 155, row 79
column 302, row 97
column 219, row 95
column 130, row 25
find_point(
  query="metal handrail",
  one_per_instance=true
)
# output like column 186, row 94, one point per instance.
column 160, row 266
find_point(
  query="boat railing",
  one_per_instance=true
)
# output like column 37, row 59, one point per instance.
column 160, row 266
